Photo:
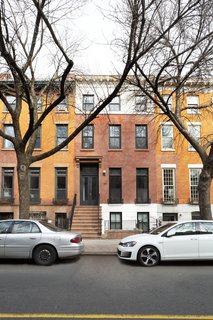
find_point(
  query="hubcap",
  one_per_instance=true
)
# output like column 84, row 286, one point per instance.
column 45, row 255
column 149, row 256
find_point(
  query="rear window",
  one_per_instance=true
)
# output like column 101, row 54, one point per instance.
column 50, row 226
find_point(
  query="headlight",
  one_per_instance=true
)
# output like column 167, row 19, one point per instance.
column 129, row 244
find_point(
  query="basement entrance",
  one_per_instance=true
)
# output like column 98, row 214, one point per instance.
column 89, row 184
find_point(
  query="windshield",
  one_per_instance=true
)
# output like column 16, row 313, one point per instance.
column 162, row 228
column 50, row 226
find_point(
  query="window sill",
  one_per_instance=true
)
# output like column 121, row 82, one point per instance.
column 115, row 150
column 141, row 150
column 170, row 150
column 85, row 150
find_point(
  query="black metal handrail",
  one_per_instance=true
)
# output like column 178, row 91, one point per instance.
column 72, row 211
column 99, row 218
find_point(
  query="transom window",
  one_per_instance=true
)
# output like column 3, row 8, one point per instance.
column 167, row 137
column 88, row 137
column 114, row 136
column 169, row 186
column 141, row 139
column 88, row 102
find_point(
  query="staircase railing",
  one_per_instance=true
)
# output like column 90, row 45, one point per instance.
column 99, row 218
column 72, row 210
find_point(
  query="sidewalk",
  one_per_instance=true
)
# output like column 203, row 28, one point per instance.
column 100, row 246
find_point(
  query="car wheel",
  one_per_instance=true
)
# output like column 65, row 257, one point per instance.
column 44, row 255
column 148, row 256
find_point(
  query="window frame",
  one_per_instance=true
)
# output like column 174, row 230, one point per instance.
column 11, row 103
column 61, row 191
column 63, row 105
column 60, row 139
column 194, row 194
column 86, row 137
column 114, row 137
column 193, row 107
column 115, row 183
column 88, row 106
column 115, row 106
column 194, row 128
column 143, row 139
column 7, row 144
column 5, row 174
column 167, row 188
column 35, row 174
column 165, row 139
column 142, row 177
column 117, row 224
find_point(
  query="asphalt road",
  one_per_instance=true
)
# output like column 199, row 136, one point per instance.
column 103, row 285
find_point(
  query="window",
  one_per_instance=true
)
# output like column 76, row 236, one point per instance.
column 88, row 137
column 194, row 179
column 192, row 104
column 61, row 133
column 88, row 102
column 114, row 105
column 25, row 227
column 4, row 226
column 34, row 182
column 141, row 137
column 61, row 184
column 39, row 104
column 114, row 136
column 142, row 187
column 167, row 137
column 61, row 220
column 170, row 216
column 115, row 186
column 169, row 186
column 7, row 183
column 38, row 138
column 168, row 100
column 143, row 104
column 196, row 215
column 194, row 130
column 115, row 220
column 62, row 106
column 9, row 130
column 143, row 221
column 12, row 102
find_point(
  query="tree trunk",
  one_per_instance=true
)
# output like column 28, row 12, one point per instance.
column 23, row 185
column 204, row 187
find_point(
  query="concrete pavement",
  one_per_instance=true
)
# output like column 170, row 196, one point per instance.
column 100, row 246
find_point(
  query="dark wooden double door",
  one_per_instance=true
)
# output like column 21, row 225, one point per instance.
column 89, row 189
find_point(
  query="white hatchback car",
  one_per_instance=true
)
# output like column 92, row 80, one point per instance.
column 188, row 240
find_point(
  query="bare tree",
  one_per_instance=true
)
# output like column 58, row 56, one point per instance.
column 29, row 31
column 173, row 51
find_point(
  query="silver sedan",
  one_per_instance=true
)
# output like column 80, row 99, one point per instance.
column 37, row 240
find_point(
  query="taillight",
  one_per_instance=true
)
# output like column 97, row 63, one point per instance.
column 77, row 239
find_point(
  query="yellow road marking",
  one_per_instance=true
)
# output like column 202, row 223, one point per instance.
column 102, row 316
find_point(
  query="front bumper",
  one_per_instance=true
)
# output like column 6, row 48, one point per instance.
column 127, row 253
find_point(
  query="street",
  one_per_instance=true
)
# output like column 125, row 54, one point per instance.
column 103, row 285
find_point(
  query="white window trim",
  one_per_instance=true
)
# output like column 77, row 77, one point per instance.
column 197, row 124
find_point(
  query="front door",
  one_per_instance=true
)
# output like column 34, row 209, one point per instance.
column 89, row 185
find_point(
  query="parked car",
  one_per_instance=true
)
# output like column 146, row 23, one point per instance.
column 37, row 240
column 189, row 240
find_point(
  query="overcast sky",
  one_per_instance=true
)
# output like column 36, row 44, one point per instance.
column 96, row 31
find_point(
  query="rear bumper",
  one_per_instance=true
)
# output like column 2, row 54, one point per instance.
column 71, row 251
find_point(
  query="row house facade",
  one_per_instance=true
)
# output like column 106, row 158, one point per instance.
column 127, row 171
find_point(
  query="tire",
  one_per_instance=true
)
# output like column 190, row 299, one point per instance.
column 148, row 256
column 44, row 255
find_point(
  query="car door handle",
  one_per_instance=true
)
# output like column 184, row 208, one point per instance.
column 32, row 238
column 193, row 239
